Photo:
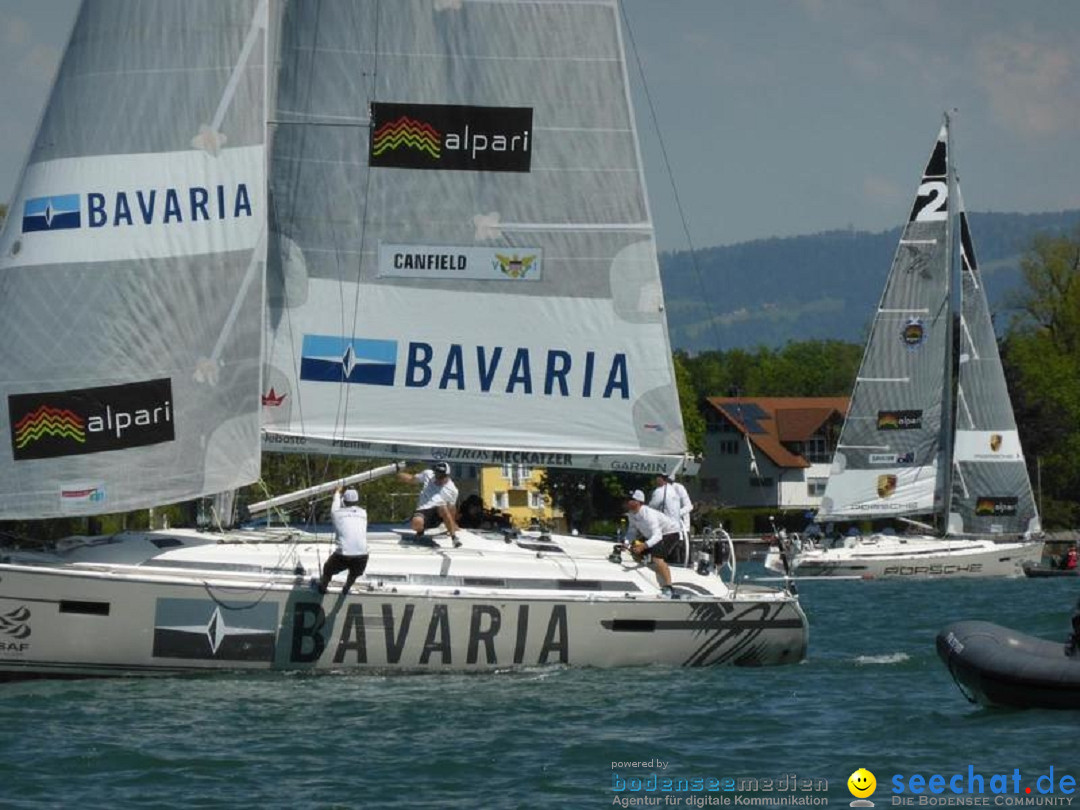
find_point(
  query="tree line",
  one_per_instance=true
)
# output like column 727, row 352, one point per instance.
column 1040, row 352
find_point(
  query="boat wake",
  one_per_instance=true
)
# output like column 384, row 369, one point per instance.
column 891, row 658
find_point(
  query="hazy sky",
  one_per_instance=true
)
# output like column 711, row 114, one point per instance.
column 781, row 117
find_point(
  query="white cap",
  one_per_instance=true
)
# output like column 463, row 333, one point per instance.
column 351, row 496
column 637, row 495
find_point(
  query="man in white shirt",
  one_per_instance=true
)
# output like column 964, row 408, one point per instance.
column 350, row 536
column 437, row 501
column 653, row 533
column 671, row 498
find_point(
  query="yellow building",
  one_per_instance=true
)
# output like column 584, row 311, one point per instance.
column 514, row 489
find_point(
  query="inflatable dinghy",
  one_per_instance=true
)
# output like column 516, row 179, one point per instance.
column 996, row 666
column 1037, row 570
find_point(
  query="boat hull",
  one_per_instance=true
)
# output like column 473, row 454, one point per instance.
column 91, row 619
column 997, row 666
column 914, row 559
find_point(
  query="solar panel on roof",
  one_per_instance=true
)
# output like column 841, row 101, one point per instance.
column 748, row 414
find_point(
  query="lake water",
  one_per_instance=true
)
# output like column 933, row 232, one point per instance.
column 872, row 694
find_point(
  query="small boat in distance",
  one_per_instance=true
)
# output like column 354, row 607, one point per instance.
column 912, row 444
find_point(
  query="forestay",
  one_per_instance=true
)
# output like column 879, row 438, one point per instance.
column 131, row 269
column 462, row 258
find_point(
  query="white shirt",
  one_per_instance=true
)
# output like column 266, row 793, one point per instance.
column 350, row 524
column 674, row 501
column 650, row 525
column 435, row 494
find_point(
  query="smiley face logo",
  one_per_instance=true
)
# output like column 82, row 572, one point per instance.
column 861, row 783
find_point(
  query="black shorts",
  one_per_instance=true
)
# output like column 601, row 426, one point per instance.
column 431, row 516
column 338, row 562
column 666, row 548
column 669, row 544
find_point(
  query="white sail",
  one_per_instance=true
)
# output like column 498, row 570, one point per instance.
column 889, row 455
column 131, row 265
column 462, row 258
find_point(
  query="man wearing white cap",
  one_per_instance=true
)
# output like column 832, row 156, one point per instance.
column 350, row 535
column 653, row 533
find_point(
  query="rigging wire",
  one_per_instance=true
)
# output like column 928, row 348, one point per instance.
column 654, row 120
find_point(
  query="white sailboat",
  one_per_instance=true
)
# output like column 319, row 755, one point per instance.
column 415, row 230
column 917, row 443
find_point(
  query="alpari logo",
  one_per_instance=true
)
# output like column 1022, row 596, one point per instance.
column 90, row 420
column 899, row 420
column 407, row 133
column 455, row 367
column 135, row 207
column 49, row 421
column 451, row 137
column 992, row 507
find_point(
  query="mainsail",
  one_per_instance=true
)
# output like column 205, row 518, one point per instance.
column 991, row 492
column 888, row 459
column 462, row 261
column 131, row 271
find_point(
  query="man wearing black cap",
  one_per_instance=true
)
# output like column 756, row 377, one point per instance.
column 657, row 535
column 437, row 502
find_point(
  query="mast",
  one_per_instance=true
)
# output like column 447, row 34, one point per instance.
column 948, row 402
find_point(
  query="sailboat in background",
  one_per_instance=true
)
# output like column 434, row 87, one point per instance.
column 915, row 442
column 409, row 231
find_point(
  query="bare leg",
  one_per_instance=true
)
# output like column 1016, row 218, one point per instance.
column 663, row 573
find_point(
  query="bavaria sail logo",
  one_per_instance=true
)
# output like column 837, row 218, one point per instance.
column 451, row 137
column 134, row 207
column 56, row 213
column 327, row 358
column 90, row 420
column 455, row 367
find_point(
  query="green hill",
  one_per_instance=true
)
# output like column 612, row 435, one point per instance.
column 823, row 286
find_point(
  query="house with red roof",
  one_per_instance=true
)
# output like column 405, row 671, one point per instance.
column 767, row 451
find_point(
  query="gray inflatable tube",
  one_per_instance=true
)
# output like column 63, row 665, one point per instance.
column 996, row 666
